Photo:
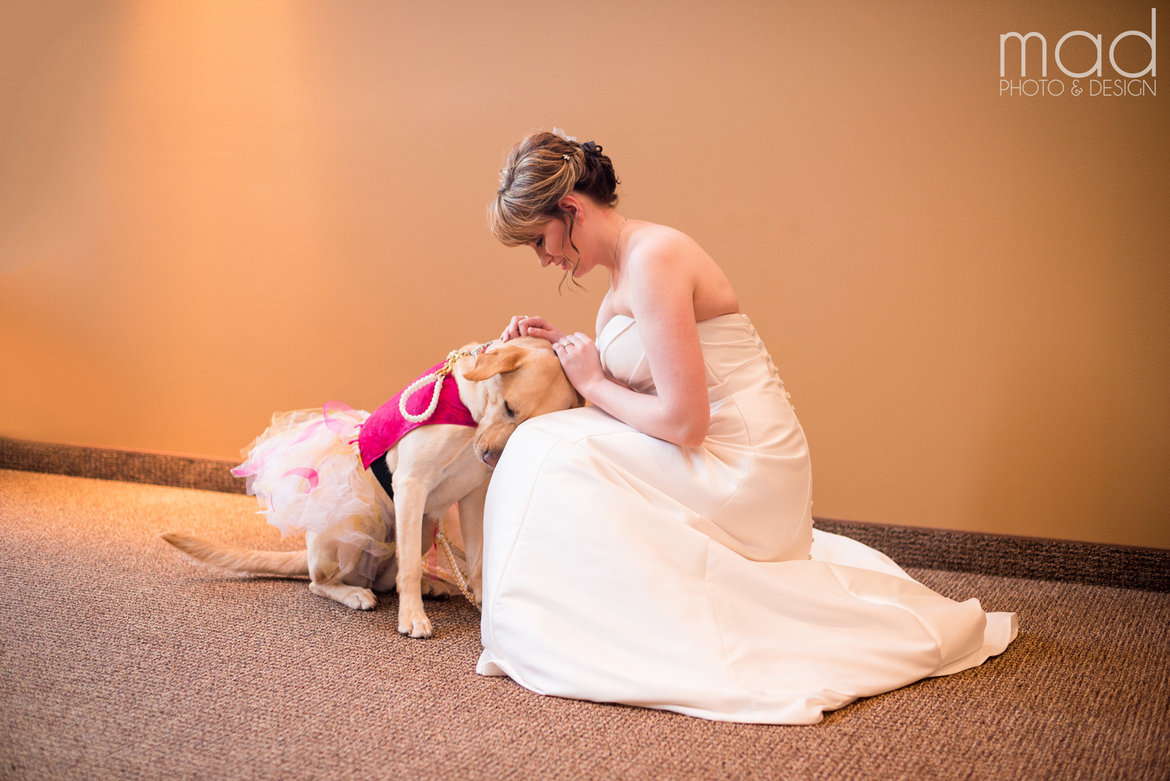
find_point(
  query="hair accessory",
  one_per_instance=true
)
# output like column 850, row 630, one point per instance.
column 558, row 132
column 566, row 157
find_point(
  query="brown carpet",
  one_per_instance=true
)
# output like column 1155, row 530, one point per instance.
column 121, row 661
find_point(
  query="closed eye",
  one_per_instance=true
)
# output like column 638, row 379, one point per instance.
column 508, row 409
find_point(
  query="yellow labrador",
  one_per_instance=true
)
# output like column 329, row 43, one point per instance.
column 428, row 470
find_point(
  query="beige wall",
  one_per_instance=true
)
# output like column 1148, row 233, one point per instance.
column 212, row 210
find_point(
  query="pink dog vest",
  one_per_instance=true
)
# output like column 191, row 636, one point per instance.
column 382, row 430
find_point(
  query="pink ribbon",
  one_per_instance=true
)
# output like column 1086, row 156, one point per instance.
column 305, row 472
column 333, row 424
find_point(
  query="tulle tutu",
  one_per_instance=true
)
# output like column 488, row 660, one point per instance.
column 304, row 470
column 307, row 475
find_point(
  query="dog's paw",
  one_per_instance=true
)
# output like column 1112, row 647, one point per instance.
column 417, row 626
column 361, row 599
column 351, row 596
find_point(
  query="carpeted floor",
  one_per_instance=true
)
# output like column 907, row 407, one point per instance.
column 119, row 660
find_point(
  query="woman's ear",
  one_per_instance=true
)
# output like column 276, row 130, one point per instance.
column 570, row 204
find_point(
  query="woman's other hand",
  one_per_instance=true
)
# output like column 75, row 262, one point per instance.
column 581, row 361
column 523, row 325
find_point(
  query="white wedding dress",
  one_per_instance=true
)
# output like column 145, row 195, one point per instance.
column 622, row 568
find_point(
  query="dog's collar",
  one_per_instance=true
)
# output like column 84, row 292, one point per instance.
column 435, row 377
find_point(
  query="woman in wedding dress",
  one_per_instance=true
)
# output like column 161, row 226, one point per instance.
column 656, row 548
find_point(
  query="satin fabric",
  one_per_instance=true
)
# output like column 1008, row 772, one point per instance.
column 622, row 568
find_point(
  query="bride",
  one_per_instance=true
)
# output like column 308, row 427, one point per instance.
column 656, row 547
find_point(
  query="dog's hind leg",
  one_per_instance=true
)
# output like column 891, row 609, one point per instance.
column 331, row 572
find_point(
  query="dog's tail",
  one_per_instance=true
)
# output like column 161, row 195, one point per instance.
column 228, row 557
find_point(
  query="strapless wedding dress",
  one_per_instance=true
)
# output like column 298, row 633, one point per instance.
column 622, row 568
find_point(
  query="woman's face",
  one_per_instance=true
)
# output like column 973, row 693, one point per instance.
column 552, row 245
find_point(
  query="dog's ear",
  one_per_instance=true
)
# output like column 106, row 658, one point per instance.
column 498, row 361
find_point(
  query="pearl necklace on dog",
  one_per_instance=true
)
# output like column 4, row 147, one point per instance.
column 437, row 378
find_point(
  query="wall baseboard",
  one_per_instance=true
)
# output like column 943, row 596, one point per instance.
column 131, row 466
column 1117, row 566
column 1040, row 558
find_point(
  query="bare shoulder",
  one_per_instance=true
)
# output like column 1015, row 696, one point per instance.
column 657, row 248
column 649, row 238
column 662, row 257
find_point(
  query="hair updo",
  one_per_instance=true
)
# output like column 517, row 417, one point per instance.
column 541, row 170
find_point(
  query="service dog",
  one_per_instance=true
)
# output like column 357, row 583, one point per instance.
column 415, row 481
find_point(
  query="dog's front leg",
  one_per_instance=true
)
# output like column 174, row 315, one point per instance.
column 409, row 503
column 471, row 525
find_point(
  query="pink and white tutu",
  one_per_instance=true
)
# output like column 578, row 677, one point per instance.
column 305, row 472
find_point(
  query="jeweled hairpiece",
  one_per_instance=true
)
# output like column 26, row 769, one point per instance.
column 558, row 132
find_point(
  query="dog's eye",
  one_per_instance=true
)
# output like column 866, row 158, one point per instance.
column 508, row 408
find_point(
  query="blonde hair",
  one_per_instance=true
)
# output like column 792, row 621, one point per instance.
column 541, row 170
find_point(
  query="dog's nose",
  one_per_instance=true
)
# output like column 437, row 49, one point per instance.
column 491, row 458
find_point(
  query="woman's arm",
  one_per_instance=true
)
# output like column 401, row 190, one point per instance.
column 659, row 287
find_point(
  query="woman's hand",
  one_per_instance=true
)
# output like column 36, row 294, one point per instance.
column 581, row 361
column 523, row 325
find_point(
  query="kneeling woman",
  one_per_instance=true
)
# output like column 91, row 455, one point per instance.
column 656, row 548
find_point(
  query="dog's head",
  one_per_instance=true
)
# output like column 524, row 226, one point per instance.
column 512, row 382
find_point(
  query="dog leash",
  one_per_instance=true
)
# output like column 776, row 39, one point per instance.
column 437, row 378
column 460, row 579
